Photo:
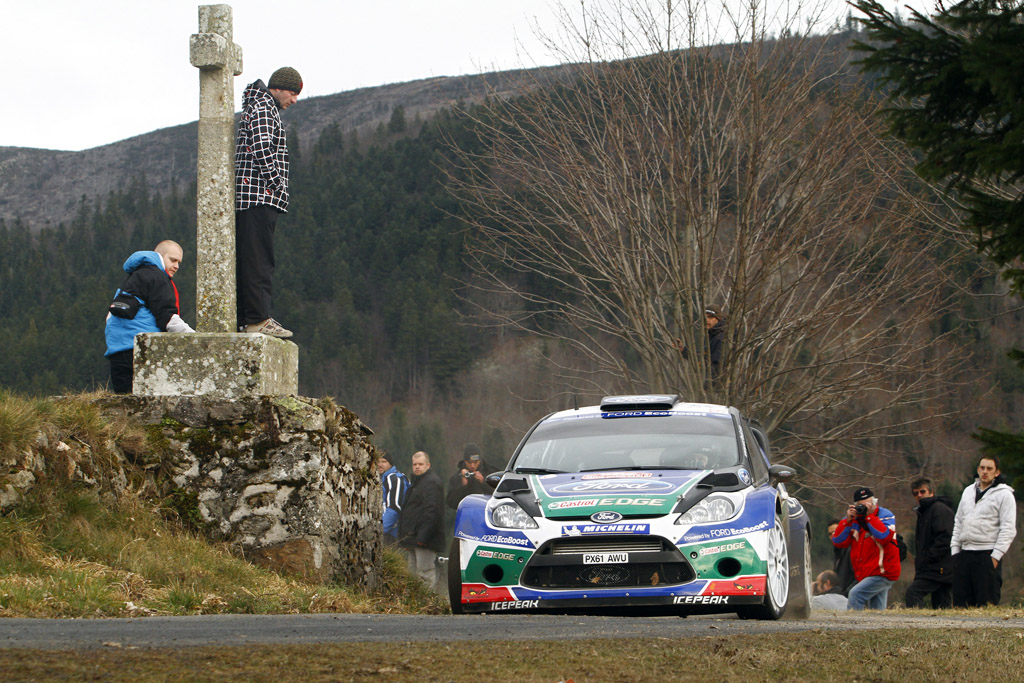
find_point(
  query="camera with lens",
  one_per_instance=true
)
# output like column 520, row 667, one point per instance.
column 467, row 475
column 861, row 509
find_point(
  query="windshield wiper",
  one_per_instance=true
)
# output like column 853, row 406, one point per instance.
column 536, row 470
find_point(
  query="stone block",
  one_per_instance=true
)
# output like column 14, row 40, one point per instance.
column 209, row 51
column 230, row 366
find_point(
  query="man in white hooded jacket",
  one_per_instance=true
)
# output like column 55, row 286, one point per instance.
column 985, row 524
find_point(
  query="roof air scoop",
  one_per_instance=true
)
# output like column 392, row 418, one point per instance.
column 644, row 402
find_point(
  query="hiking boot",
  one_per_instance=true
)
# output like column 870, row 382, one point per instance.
column 269, row 327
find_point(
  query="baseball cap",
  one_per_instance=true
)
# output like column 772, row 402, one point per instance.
column 863, row 493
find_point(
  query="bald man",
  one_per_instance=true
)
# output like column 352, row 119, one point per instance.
column 147, row 301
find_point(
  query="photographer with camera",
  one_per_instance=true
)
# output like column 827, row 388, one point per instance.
column 869, row 531
column 469, row 478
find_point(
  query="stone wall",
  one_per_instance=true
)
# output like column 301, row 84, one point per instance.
column 289, row 482
column 57, row 457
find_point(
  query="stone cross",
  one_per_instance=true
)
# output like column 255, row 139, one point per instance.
column 219, row 60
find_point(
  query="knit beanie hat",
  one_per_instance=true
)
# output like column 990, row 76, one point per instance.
column 286, row 78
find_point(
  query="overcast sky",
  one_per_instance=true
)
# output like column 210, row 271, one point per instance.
column 84, row 73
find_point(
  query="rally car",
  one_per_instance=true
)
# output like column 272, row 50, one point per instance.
column 643, row 504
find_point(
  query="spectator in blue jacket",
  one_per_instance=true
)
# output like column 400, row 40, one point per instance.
column 395, row 486
column 146, row 301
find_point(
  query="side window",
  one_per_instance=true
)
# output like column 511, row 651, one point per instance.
column 756, row 452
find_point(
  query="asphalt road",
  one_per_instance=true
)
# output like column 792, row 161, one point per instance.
column 233, row 629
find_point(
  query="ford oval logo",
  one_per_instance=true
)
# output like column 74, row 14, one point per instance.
column 605, row 517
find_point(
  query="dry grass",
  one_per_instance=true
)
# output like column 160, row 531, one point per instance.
column 68, row 551
column 891, row 655
column 19, row 424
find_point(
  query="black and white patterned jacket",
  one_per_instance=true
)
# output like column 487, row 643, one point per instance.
column 261, row 152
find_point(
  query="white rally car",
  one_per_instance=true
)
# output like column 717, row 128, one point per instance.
column 643, row 504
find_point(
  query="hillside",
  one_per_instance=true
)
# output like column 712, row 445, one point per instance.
column 372, row 268
column 45, row 187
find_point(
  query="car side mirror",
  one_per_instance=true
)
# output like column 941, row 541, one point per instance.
column 493, row 478
column 782, row 473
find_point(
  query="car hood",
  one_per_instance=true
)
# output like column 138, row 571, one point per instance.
column 628, row 492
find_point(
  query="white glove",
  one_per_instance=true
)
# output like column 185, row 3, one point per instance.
column 176, row 324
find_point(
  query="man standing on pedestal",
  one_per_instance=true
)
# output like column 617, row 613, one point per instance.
column 261, row 193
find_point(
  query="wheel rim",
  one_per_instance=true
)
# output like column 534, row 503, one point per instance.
column 778, row 567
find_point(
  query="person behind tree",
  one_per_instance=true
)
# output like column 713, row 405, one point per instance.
column 933, row 564
column 469, row 477
column 870, row 533
column 146, row 301
column 261, row 194
column 395, row 488
column 714, row 324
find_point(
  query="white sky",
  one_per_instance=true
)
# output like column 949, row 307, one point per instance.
column 90, row 72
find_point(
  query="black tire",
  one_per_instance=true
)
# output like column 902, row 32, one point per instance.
column 455, row 578
column 777, row 583
column 799, row 605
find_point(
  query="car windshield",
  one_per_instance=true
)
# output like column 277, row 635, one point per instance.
column 592, row 442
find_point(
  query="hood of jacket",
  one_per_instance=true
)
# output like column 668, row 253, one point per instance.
column 928, row 502
column 257, row 91
column 997, row 483
column 143, row 258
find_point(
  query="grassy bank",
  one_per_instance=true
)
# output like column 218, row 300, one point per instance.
column 67, row 550
column 890, row 655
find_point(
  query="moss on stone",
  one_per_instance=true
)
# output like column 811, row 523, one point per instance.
column 185, row 505
column 201, row 443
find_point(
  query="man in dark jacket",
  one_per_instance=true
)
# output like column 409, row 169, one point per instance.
column 933, row 563
column 469, row 476
column 421, row 525
column 716, row 335
column 146, row 301
column 261, row 193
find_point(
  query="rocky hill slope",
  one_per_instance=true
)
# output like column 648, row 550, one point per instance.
column 45, row 187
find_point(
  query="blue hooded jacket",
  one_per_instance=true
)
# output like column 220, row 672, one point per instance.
column 151, row 285
column 395, row 487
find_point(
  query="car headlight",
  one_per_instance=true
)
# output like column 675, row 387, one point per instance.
column 511, row 516
column 711, row 509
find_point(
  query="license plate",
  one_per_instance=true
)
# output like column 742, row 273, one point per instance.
column 605, row 558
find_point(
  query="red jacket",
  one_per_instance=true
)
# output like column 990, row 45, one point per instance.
column 873, row 550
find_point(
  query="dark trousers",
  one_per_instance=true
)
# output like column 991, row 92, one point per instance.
column 975, row 581
column 922, row 586
column 121, row 371
column 254, row 262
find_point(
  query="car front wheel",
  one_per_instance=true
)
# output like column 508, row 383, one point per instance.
column 455, row 577
column 777, row 583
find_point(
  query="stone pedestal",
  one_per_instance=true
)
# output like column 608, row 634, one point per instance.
column 226, row 366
